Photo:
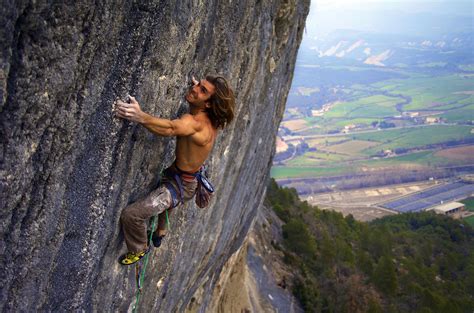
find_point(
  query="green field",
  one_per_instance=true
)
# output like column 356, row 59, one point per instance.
column 422, row 158
column 352, row 153
column 450, row 97
column 378, row 106
column 430, row 92
column 353, row 142
column 415, row 137
column 303, row 167
column 462, row 114
column 279, row 172
column 470, row 220
column 316, row 158
column 362, row 112
column 340, row 123
column 349, row 147
column 469, row 202
column 326, row 141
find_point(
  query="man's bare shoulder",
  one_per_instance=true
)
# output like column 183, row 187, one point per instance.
column 207, row 132
column 191, row 120
column 187, row 116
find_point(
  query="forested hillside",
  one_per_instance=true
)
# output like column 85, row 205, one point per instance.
column 404, row 263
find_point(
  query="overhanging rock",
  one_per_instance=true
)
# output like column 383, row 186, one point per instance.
column 68, row 166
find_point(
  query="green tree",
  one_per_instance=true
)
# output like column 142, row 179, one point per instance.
column 364, row 262
column 299, row 239
column 385, row 277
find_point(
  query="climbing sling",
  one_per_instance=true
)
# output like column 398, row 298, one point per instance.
column 204, row 189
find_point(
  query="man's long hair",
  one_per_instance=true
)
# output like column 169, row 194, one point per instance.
column 221, row 112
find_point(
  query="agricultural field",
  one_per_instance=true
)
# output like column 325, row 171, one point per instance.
column 440, row 93
column 304, row 167
column 378, row 106
column 319, row 158
column 464, row 154
column 409, row 148
column 469, row 202
column 350, row 147
column 279, row 172
column 461, row 114
column 470, row 220
column 409, row 138
column 324, row 141
column 295, row 125
column 450, row 97
column 363, row 204
column 369, row 119
column 336, row 164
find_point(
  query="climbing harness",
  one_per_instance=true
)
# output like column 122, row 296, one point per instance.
column 176, row 174
column 204, row 188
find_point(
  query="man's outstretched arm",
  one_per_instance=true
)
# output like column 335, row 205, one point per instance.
column 185, row 126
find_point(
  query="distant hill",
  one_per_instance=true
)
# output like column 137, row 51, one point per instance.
column 383, row 49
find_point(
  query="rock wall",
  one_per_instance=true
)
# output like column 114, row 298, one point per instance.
column 256, row 277
column 68, row 167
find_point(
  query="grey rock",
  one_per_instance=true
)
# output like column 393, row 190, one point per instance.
column 68, row 167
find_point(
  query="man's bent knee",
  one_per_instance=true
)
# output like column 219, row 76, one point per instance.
column 127, row 215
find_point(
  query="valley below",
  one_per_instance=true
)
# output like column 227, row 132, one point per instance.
column 358, row 133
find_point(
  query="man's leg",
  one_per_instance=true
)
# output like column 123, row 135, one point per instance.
column 161, row 229
column 134, row 217
column 189, row 190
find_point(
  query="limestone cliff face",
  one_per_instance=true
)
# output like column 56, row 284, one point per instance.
column 68, row 167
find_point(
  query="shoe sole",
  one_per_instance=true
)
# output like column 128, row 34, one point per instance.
column 123, row 258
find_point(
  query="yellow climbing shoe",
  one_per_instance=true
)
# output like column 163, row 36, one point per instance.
column 131, row 257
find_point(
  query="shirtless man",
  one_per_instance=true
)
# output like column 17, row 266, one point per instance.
column 211, row 103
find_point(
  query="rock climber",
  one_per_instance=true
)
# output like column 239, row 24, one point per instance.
column 211, row 101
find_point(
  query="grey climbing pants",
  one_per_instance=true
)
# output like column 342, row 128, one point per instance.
column 135, row 216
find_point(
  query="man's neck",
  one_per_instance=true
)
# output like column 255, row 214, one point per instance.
column 196, row 110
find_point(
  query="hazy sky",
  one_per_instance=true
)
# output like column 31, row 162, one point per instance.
column 409, row 5
column 327, row 15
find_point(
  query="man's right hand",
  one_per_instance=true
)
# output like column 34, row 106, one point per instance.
column 130, row 111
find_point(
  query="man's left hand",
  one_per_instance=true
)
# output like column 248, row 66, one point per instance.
column 130, row 111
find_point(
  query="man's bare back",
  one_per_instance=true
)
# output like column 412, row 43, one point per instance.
column 192, row 151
